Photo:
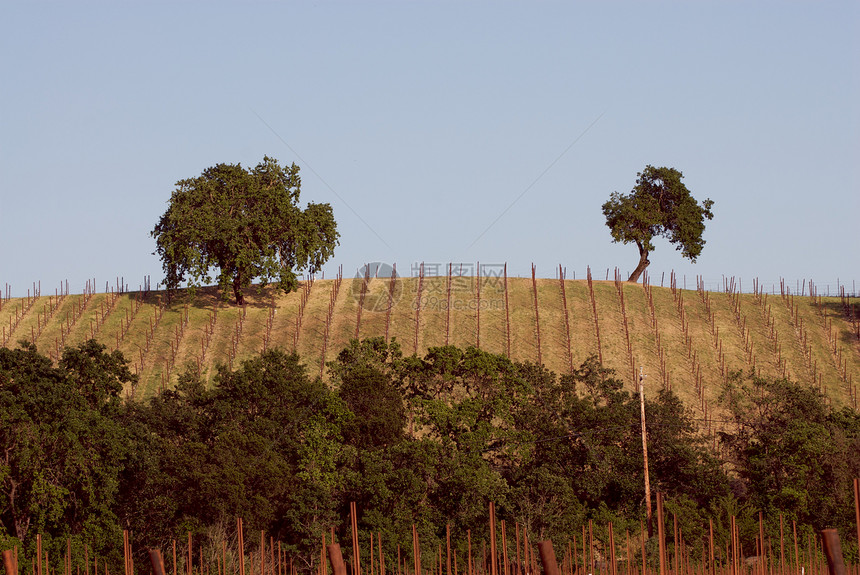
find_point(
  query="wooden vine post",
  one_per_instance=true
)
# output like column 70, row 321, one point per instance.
column 594, row 312
column 619, row 287
column 418, row 307
column 448, row 549
column 478, row 308
column 179, row 333
column 104, row 310
column 336, row 558
column 362, row 294
column 661, row 537
column 235, row 336
column 642, row 377
column 335, row 288
column 158, row 313
column 48, row 311
column 661, row 350
column 833, row 341
column 833, row 551
column 493, row 552
column 270, row 322
column 391, row 286
column 561, row 282
column 306, row 294
column 448, row 307
column 547, row 558
column 24, row 310
column 507, row 315
column 857, row 508
column 537, row 317
column 416, row 550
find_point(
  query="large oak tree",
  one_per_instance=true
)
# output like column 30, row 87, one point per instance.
column 62, row 448
column 246, row 223
column 659, row 205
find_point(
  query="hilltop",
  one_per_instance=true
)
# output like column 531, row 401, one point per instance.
column 687, row 340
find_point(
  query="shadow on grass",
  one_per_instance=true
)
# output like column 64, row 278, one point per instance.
column 207, row 297
column 850, row 333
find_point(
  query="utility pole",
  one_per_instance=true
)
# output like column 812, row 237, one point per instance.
column 642, row 377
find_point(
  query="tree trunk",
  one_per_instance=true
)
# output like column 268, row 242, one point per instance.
column 643, row 263
column 22, row 526
column 237, row 289
column 21, row 521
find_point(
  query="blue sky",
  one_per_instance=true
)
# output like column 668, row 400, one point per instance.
column 424, row 122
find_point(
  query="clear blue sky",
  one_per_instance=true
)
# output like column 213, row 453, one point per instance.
column 423, row 122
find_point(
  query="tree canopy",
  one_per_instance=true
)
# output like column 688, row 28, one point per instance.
column 62, row 444
column 791, row 450
column 659, row 205
column 246, row 223
column 448, row 433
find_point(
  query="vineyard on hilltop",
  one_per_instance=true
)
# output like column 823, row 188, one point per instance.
column 684, row 339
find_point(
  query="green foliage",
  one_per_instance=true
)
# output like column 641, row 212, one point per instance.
column 793, row 453
column 586, row 451
column 62, row 445
column 264, row 444
column 659, row 205
column 368, row 375
column 678, row 456
column 448, row 470
column 377, row 405
column 373, row 351
column 99, row 376
column 287, row 452
column 720, row 512
column 248, row 224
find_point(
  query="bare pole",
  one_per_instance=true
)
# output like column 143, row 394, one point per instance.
column 661, row 535
column 336, row 558
column 642, row 377
column 833, row 551
column 356, row 553
column 857, row 508
column 9, row 562
column 493, row 569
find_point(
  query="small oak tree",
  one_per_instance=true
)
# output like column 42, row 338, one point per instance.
column 248, row 224
column 659, row 205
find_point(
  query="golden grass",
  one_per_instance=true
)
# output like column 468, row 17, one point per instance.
column 794, row 336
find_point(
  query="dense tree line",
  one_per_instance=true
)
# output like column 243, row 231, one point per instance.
column 426, row 441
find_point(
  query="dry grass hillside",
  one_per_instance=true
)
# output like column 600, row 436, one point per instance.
column 685, row 339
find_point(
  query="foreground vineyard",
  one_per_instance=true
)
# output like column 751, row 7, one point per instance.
column 500, row 549
column 687, row 340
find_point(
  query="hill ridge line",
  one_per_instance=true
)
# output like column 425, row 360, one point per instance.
column 686, row 339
